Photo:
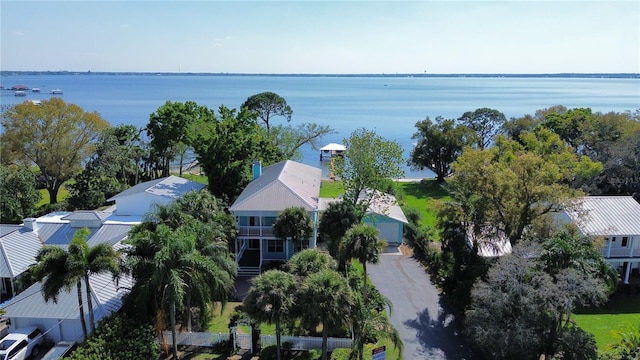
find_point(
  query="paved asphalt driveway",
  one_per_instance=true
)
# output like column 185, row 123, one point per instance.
column 428, row 332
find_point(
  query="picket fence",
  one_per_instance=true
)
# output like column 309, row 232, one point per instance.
column 243, row 341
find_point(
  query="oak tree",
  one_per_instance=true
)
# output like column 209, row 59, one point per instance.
column 55, row 136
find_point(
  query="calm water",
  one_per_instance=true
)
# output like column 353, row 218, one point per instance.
column 390, row 106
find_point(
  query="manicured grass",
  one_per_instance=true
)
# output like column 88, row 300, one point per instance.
column 219, row 323
column 202, row 179
column 424, row 196
column 620, row 311
column 331, row 189
column 63, row 193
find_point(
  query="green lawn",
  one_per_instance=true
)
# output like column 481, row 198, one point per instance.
column 202, row 179
column 620, row 311
column 424, row 196
column 63, row 193
column 219, row 323
column 331, row 189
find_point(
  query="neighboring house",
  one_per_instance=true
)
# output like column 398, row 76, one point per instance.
column 383, row 213
column 20, row 245
column 616, row 219
column 489, row 240
column 292, row 184
column 139, row 199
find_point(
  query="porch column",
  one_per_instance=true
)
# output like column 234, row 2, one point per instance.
column 314, row 240
column 609, row 247
column 631, row 247
column 627, row 272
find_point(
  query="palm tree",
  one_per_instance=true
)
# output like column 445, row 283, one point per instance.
column 325, row 298
column 168, row 268
column 294, row 223
column 371, row 324
column 361, row 242
column 628, row 342
column 339, row 217
column 309, row 261
column 270, row 299
column 62, row 269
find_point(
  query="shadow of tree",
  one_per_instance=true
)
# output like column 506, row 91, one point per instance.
column 442, row 337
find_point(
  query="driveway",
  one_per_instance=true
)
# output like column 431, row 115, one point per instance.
column 426, row 328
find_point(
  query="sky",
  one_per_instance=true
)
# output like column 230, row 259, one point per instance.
column 321, row 37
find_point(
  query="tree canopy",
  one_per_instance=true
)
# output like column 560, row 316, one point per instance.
column 369, row 163
column 18, row 194
column 294, row 223
column 226, row 145
column 439, row 144
column 522, row 309
column 485, row 122
column 513, row 184
column 167, row 129
column 267, row 105
column 55, row 136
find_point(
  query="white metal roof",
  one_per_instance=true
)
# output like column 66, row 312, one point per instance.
column 333, row 147
column 172, row 187
column 491, row 241
column 18, row 250
column 107, row 297
column 385, row 205
column 606, row 215
column 282, row 185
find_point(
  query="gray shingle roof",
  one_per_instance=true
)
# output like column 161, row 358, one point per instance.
column 606, row 215
column 282, row 185
column 172, row 186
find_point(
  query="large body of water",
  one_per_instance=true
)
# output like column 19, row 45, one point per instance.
column 389, row 105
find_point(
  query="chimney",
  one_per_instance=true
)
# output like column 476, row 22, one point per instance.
column 30, row 224
column 257, row 169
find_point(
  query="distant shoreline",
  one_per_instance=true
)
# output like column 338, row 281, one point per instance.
column 397, row 75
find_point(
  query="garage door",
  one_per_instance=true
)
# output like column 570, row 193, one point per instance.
column 389, row 232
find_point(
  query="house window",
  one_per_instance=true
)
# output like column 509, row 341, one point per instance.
column 275, row 246
column 299, row 247
column 625, row 241
column 253, row 221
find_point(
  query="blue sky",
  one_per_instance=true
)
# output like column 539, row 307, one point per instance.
column 321, row 37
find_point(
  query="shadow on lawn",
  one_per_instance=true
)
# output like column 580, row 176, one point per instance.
column 619, row 303
column 427, row 188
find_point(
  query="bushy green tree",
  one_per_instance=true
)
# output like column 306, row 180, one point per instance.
column 109, row 342
column 439, row 143
column 361, row 243
column 513, row 185
column 339, row 217
column 486, row 123
column 226, row 145
column 294, row 223
column 366, row 168
column 56, row 136
column 18, row 194
column 266, row 105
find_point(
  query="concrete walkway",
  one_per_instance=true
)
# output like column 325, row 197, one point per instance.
column 426, row 328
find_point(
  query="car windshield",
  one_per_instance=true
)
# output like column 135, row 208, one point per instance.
column 4, row 344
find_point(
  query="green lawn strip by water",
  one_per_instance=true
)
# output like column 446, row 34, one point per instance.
column 423, row 196
column 621, row 310
column 202, row 179
column 331, row 189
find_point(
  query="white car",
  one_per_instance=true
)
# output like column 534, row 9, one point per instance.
column 21, row 344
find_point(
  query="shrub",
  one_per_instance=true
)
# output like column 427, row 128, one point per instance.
column 341, row 354
column 119, row 337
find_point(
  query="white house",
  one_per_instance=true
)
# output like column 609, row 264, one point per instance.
column 139, row 199
column 616, row 219
column 20, row 244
